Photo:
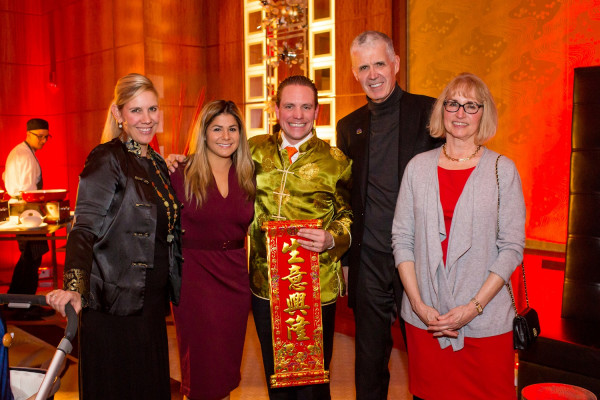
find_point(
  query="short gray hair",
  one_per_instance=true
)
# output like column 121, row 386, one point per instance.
column 370, row 37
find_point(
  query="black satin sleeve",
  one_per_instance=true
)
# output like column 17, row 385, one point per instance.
column 99, row 183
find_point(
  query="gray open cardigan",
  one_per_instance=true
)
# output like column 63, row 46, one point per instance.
column 474, row 248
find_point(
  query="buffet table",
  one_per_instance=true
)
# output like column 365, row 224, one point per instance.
column 11, row 231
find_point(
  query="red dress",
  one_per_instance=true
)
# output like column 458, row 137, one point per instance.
column 484, row 368
column 215, row 294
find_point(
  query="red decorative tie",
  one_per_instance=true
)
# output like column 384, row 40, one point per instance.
column 291, row 150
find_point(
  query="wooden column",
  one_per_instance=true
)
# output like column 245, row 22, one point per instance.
column 400, row 38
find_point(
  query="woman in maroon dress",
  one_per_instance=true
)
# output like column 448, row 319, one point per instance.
column 217, row 189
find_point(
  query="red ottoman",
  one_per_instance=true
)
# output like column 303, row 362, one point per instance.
column 556, row 391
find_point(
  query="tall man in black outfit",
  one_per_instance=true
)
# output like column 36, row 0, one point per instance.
column 380, row 138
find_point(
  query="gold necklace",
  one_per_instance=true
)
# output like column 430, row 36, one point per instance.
column 460, row 159
column 170, row 217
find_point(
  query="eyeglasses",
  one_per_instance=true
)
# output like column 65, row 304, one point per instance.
column 470, row 107
column 41, row 137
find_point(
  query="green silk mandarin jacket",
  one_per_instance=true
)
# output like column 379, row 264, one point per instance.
column 316, row 186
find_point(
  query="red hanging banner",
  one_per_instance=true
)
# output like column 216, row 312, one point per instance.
column 295, row 306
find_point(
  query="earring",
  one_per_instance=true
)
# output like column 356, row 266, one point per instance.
column 120, row 125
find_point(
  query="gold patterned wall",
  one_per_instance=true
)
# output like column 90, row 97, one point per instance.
column 525, row 51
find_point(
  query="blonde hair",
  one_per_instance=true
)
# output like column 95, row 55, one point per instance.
column 197, row 172
column 467, row 85
column 127, row 88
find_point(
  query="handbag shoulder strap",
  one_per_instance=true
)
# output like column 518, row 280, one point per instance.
column 512, row 297
column 498, row 184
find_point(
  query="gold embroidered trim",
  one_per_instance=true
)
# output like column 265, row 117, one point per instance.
column 309, row 171
column 337, row 154
column 76, row 280
column 268, row 165
column 134, row 147
column 337, row 228
column 282, row 196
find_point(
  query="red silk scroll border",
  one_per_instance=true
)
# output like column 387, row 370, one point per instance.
column 295, row 292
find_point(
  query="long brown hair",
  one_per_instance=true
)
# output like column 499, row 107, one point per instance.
column 198, row 175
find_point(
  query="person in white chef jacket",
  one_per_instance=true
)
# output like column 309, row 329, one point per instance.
column 23, row 172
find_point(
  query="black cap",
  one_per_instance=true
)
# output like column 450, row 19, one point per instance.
column 37, row 123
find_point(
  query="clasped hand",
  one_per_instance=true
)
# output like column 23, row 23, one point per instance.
column 447, row 324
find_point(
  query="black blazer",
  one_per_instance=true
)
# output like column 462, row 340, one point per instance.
column 112, row 241
column 352, row 137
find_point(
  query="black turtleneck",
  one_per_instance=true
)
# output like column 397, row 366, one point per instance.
column 382, row 182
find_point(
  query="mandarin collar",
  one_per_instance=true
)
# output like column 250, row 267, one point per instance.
column 304, row 146
column 136, row 148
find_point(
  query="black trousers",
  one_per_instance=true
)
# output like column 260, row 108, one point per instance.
column 25, row 275
column 262, row 319
column 378, row 296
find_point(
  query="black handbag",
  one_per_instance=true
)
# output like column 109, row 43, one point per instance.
column 526, row 325
column 526, row 328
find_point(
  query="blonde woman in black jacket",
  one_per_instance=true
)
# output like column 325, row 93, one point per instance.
column 123, row 259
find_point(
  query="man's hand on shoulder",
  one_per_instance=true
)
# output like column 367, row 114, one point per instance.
column 173, row 161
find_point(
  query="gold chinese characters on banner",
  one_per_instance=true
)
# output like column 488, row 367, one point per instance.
column 295, row 306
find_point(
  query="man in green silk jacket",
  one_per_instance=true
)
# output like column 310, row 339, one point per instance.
column 299, row 176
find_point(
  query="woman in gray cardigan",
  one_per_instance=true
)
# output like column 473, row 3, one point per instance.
column 455, row 248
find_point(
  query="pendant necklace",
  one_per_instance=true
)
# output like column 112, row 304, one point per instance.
column 171, row 217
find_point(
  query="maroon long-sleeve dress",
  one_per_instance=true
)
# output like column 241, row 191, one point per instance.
column 215, row 295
